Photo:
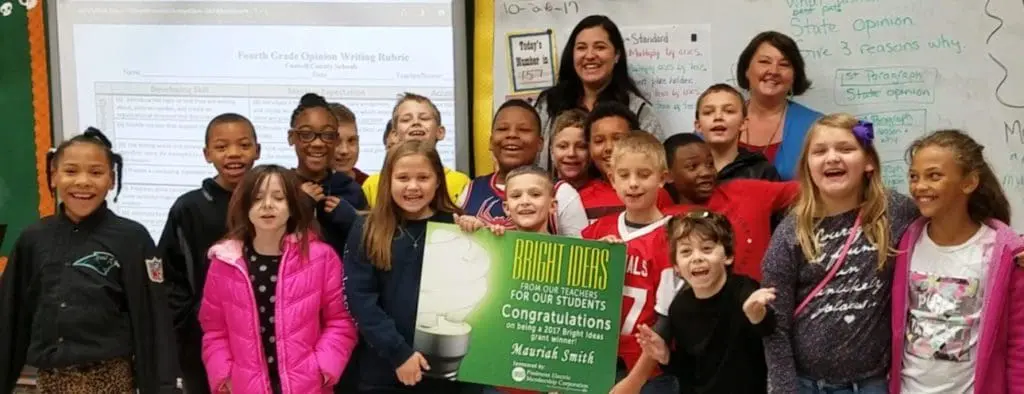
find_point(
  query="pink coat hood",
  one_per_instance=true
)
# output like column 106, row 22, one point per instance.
column 1000, row 360
column 315, row 333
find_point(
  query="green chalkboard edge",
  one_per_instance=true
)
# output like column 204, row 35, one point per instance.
column 41, row 116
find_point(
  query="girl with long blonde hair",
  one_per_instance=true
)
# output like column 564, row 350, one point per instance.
column 383, row 265
column 831, row 263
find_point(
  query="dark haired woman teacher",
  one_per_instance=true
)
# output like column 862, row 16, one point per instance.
column 593, row 68
column 772, row 70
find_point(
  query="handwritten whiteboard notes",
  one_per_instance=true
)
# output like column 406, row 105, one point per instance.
column 529, row 8
column 894, row 132
column 885, row 85
column 840, row 28
column 1013, row 182
column 672, row 66
column 531, row 59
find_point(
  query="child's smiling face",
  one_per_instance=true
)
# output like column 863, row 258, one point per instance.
column 693, row 172
column 529, row 201
column 701, row 262
column 346, row 152
column 637, row 180
column 515, row 138
column 720, row 118
column 417, row 120
column 836, row 161
column 604, row 133
column 314, row 136
column 82, row 175
column 232, row 149
column 414, row 186
column 938, row 183
column 569, row 153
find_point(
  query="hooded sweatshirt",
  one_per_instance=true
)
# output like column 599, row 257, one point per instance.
column 749, row 165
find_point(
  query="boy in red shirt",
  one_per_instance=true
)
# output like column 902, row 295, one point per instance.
column 748, row 203
column 638, row 173
column 608, row 123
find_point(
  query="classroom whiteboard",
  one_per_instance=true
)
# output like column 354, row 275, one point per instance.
column 910, row 66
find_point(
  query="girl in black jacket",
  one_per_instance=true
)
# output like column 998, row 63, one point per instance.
column 82, row 296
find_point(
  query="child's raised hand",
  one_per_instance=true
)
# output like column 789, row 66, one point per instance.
column 313, row 190
column 331, row 202
column 497, row 229
column 469, row 223
column 1020, row 260
column 756, row 306
column 611, row 239
column 411, row 371
column 652, row 344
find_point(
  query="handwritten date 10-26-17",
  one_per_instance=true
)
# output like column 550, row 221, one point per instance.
column 541, row 7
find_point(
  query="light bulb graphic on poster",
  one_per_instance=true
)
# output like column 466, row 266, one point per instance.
column 520, row 310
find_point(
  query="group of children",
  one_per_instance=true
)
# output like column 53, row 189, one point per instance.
column 305, row 280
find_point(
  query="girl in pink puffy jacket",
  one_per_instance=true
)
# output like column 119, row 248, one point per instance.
column 272, row 314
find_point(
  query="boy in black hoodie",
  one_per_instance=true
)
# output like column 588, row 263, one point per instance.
column 722, row 115
column 196, row 221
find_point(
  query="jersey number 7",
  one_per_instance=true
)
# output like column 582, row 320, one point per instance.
column 639, row 297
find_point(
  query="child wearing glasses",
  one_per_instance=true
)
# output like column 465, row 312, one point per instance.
column 314, row 134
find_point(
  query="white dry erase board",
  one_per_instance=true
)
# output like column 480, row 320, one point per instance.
column 911, row 66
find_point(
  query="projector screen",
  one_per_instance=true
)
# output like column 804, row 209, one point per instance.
column 151, row 74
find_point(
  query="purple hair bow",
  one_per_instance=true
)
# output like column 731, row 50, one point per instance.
column 865, row 132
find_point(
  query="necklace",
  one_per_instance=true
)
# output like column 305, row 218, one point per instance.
column 415, row 240
column 778, row 127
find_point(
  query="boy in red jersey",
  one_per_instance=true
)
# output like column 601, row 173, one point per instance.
column 749, row 204
column 608, row 123
column 638, row 173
